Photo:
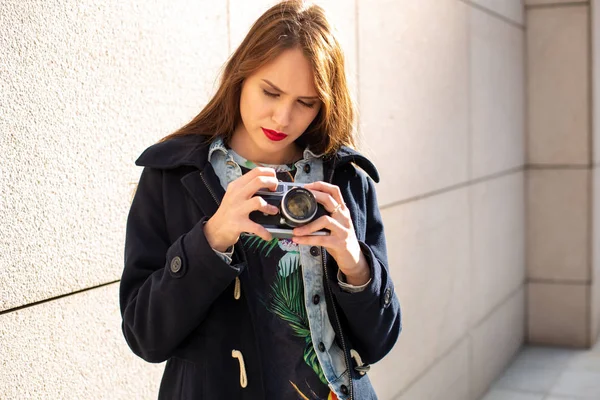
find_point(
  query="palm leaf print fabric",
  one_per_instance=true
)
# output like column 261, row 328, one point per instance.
column 292, row 369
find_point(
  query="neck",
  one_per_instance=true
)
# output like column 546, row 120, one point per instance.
column 241, row 144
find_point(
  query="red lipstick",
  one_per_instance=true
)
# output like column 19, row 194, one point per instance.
column 274, row 135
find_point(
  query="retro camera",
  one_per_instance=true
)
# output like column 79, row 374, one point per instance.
column 297, row 207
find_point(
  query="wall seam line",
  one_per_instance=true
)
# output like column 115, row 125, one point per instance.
column 495, row 14
column 556, row 5
column 453, row 187
column 432, row 365
column 35, row 303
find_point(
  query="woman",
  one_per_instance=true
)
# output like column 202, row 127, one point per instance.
column 237, row 312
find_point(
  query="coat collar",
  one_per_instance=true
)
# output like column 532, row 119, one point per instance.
column 192, row 150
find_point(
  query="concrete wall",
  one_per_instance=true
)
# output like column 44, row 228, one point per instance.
column 450, row 104
column 562, row 306
column 87, row 86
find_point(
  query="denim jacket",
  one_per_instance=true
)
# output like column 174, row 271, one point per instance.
column 332, row 359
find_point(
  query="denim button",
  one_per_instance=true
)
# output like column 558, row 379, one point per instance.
column 307, row 168
column 344, row 389
column 387, row 296
column 175, row 264
column 314, row 251
column 316, row 299
column 321, row 346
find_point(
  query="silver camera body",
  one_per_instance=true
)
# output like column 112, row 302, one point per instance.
column 297, row 207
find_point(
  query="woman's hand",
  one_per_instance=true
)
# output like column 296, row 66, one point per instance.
column 342, row 243
column 223, row 229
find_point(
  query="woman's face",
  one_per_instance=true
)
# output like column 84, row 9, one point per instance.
column 277, row 104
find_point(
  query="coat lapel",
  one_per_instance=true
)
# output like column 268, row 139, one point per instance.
column 205, row 189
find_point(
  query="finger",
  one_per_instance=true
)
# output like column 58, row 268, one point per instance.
column 331, row 205
column 324, row 222
column 258, row 230
column 257, row 203
column 326, row 241
column 253, row 173
column 326, row 199
column 333, row 190
column 259, row 182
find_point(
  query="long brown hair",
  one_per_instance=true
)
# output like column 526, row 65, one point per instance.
column 286, row 25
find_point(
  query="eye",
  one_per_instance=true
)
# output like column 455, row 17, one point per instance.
column 270, row 94
column 306, row 104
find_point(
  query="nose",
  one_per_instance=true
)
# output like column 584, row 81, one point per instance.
column 282, row 115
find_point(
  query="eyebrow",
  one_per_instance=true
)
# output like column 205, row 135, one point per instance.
column 279, row 90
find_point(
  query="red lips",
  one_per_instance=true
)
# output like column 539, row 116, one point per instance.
column 274, row 135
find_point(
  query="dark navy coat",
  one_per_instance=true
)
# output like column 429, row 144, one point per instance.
column 176, row 293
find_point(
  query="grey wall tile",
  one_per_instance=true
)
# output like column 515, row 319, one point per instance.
column 495, row 342
column 498, row 242
column 558, row 314
column 88, row 89
column 558, row 85
column 497, row 94
column 558, row 216
column 428, row 246
column 595, row 253
column 511, row 9
column 448, row 379
column 72, row 348
column 595, row 84
column 414, row 113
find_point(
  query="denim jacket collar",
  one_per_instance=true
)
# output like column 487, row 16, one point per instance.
column 193, row 150
column 218, row 145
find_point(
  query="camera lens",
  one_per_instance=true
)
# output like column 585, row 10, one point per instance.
column 298, row 206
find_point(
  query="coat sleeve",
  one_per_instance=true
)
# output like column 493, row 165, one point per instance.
column 372, row 315
column 166, row 288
